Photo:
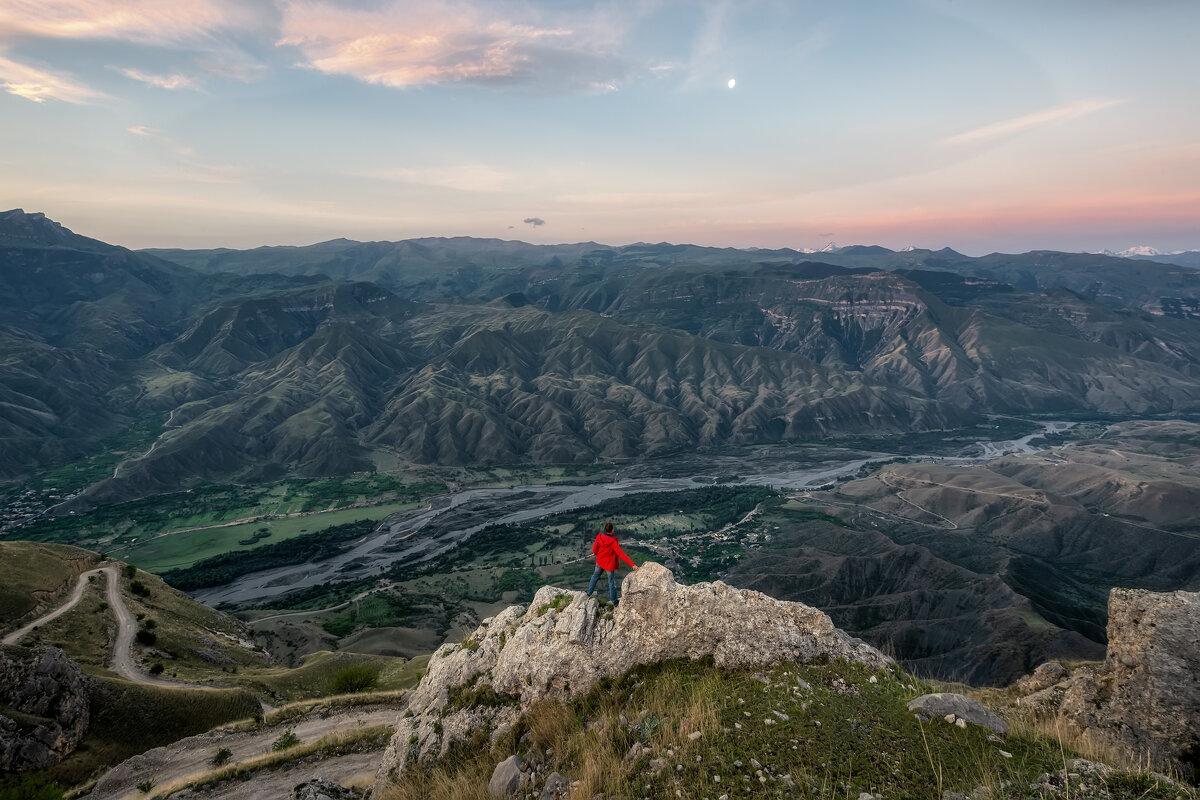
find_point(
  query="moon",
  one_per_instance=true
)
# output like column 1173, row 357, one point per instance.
column 732, row 83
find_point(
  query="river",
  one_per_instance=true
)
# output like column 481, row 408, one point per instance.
column 414, row 536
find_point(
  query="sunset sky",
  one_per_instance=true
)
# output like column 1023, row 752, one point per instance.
column 981, row 125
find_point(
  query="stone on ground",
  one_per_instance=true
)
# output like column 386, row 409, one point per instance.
column 945, row 704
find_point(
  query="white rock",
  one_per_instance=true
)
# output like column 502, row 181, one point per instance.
column 562, row 655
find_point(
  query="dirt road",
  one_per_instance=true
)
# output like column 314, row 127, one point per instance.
column 72, row 601
column 122, row 657
column 193, row 756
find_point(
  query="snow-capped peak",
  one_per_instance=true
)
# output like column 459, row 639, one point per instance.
column 1139, row 250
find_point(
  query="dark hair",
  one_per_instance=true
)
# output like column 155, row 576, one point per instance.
column 608, row 527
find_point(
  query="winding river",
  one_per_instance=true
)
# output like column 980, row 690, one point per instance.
column 414, row 536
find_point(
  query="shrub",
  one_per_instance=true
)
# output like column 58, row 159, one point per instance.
column 30, row 788
column 130, row 571
column 222, row 756
column 149, row 624
column 145, row 786
column 147, row 638
column 286, row 740
column 139, row 588
column 157, row 668
column 354, row 679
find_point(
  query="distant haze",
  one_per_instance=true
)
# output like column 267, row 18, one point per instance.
column 980, row 126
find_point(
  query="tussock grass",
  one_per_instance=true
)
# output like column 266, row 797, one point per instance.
column 462, row 781
column 815, row 731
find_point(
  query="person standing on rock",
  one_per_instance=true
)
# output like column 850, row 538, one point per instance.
column 607, row 549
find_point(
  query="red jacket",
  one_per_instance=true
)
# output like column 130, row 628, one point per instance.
column 607, row 551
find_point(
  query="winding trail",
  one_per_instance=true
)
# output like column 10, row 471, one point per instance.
column 883, row 478
column 122, row 657
column 72, row 601
column 191, row 758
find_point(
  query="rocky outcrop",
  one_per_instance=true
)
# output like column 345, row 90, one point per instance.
column 563, row 644
column 318, row 789
column 46, row 710
column 1046, row 675
column 1145, row 698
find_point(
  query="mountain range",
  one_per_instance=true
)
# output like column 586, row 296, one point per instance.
column 1183, row 258
column 316, row 360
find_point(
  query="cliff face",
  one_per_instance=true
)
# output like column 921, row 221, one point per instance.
column 1146, row 695
column 46, row 709
column 564, row 643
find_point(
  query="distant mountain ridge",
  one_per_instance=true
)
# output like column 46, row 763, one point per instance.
column 454, row 351
column 1182, row 258
column 438, row 269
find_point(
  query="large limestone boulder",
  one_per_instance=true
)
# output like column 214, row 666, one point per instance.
column 48, row 698
column 1146, row 696
column 562, row 644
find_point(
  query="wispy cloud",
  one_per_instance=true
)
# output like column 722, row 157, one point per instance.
column 38, row 85
column 181, row 161
column 637, row 199
column 159, row 81
column 149, row 21
column 1037, row 119
column 402, row 43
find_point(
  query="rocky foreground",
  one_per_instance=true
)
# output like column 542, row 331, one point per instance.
column 564, row 643
column 1143, row 701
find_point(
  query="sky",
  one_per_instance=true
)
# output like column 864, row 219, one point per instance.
column 983, row 125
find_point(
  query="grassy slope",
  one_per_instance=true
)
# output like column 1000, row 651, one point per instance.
column 839, row 735
column 130, row 718
column 37, row 576
column 312, row 678
column 194, row 643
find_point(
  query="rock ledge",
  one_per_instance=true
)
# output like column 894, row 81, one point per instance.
column 562, row 644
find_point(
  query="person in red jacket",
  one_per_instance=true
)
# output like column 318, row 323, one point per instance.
column 607, row 550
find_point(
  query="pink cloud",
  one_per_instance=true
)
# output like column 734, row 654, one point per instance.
column 1027, row 122
column 404, row 43
column 150, row 21
column 38, row 85
column 159, row 81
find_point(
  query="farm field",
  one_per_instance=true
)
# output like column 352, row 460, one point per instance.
column 178, row 550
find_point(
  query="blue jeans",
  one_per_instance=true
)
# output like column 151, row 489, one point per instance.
column 612, row 583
